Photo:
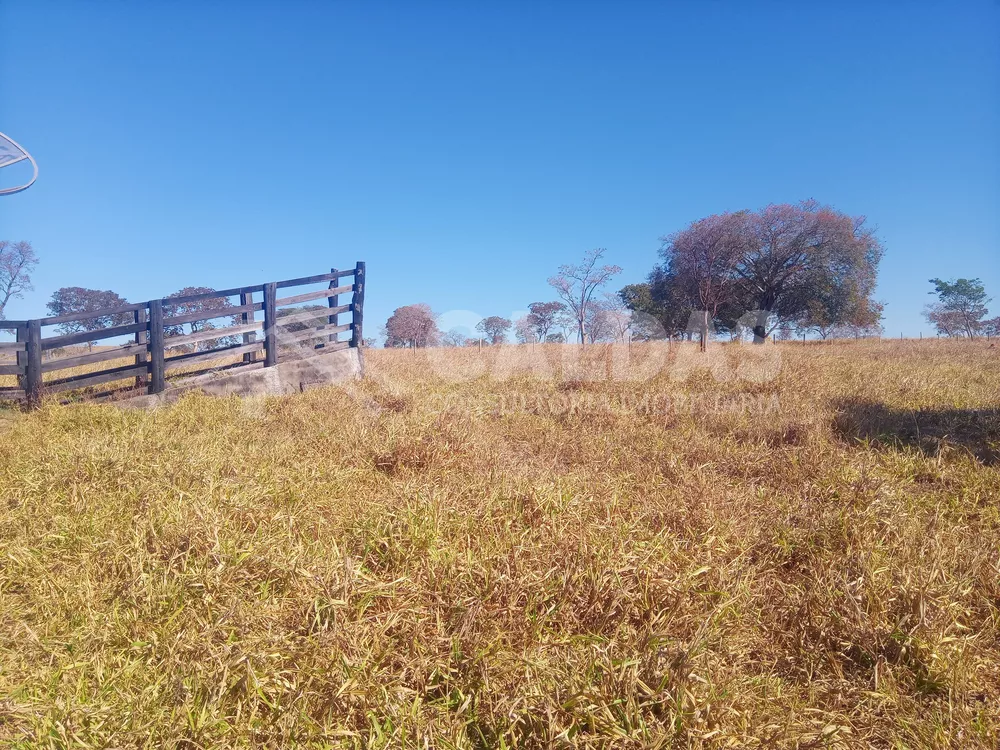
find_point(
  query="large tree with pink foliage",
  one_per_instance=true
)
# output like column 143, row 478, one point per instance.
column 778, row 265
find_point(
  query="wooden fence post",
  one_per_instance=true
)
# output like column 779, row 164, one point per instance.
column 33, row 364
column 270, row 321
column 333, row 301
column 156, row 371
column 357, row 305
column 141, row 337
column 247, row 318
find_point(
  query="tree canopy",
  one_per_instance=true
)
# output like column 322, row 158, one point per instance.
column 74, row 300
column 413, row 326
column 576, row 286
column 494, row 327
column 961, row 308
column 781, row 265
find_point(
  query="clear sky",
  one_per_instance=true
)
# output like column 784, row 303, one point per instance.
column 465, row 150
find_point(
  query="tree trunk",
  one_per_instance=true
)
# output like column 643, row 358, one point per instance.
column 703, row 344
column 760, row 328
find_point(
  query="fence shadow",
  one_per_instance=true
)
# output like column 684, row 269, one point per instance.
column 929, row 430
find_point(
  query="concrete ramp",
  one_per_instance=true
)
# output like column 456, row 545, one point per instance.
column 256, row 380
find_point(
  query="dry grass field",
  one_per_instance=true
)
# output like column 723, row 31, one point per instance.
column 798, row 548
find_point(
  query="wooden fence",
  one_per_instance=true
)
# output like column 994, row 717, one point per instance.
column 157, row 343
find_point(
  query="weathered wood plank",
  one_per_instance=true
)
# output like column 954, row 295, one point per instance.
column 358, row 305
column 182, row 360
column 309, row 296
column 319, row 313
column 97, row 378
column 212, row 295
column 57, row 319
column 119, row 352
column 217, row 312
column 172, row 342
column 11, row 369
column 14, row 394
column 156, row 371
column 241, row 366
column 11, row 346
column 290, row 338
column 333, row 275
column 270, row 323
column 33, row 364
column 83, row 337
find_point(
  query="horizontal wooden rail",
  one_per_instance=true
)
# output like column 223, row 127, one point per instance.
column 118, row 352
column 309, row 296
column 83, row 337
column 172, row 342
column 316, row 314
column 222, row 293
column 11, row 369
column 111, row 312
column 216, row 312
column 314, row 279
column 12, row 394
column 182, row 360
column 11, row 346
column 290, row 338
column 105, row 376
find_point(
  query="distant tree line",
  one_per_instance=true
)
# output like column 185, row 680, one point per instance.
column 783, row 271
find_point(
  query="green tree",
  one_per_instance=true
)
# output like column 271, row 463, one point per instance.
column 961, row 308
column 76, row 300
column 495, row 328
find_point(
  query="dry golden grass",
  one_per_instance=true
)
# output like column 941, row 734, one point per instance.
column 430, row 558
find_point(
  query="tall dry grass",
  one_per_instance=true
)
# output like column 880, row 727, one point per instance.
column 505, row 550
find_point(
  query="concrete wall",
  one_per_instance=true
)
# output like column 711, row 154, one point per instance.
column 256, row 380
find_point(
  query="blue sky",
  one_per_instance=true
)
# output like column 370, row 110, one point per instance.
column 465, row 150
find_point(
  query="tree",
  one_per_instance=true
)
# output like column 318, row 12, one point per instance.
column 454, row 337
column 75, row 300
column 205, row 305
column 618, row 315
column 774, row 263
column 413, row 326
column 599, row 327
column 961, row 308
column 17, row 261
column 702, row 260
column 991, row 327
column 576, row 285
column 524, row 331
column 542, row 316
column 555, row 338
column 831, row 318
column 608, row 319
column 494, row 327
column 657, row 307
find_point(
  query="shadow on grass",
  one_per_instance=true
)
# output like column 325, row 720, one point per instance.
column 930, row 430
